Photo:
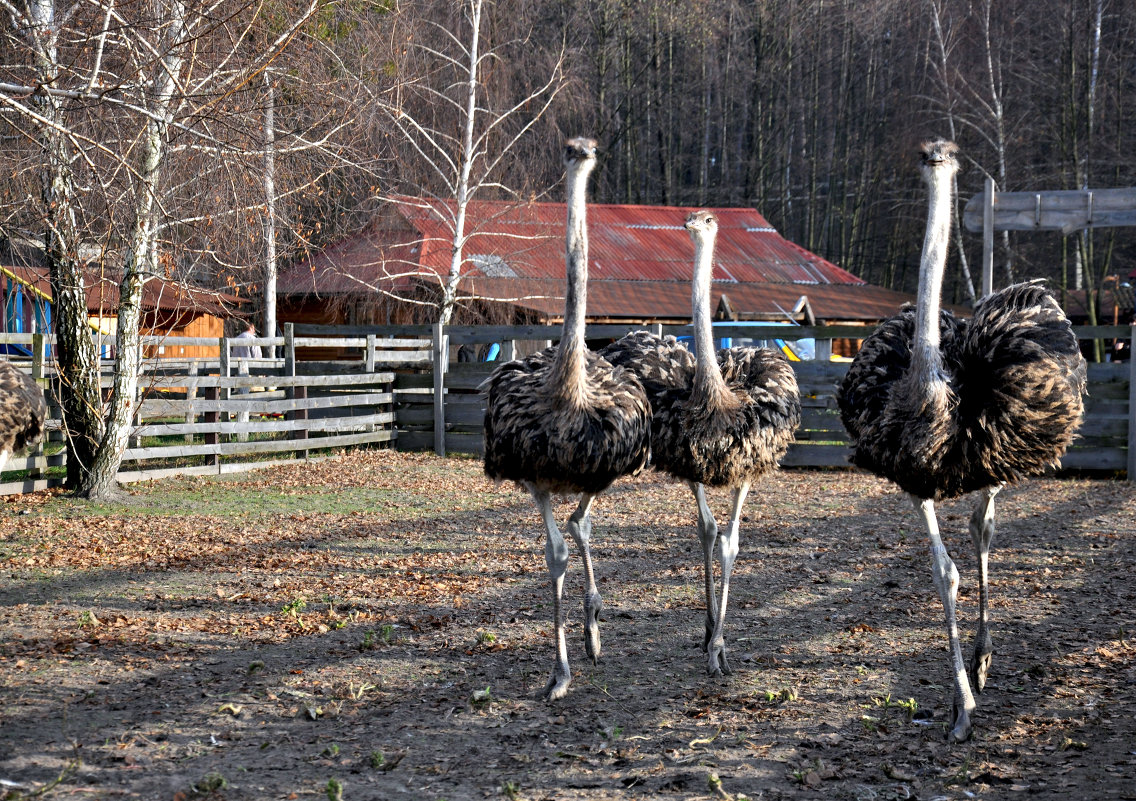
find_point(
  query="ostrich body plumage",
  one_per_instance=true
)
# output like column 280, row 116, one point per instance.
column 1015, row 379
column 533, row 434
column 22, row 411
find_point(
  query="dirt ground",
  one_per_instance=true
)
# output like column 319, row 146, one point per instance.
column 377, row 627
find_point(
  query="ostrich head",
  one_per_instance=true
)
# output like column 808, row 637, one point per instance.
column 580, row 151
column 701, row 224
column 938, row 158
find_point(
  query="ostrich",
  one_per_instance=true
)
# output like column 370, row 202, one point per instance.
column 718, row 421
column 944, row 407
column 22, row 410
column 566, row 421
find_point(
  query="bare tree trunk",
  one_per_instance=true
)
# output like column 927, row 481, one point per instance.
column 457, row 258
column 140, row 263
column 269, row 329
column 75, row 351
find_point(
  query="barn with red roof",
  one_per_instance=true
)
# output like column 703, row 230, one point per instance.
column 640, row 268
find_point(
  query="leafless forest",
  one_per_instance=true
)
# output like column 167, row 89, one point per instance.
column 808, row 110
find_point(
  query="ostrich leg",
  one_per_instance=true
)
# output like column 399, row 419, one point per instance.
column 708, row 534
column 716, row 652
column 946, row 579
column 580, row 527
column 556, row 557
column 982, row 533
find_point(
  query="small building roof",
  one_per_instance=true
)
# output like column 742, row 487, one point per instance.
column 640, row 262
column 157, row 295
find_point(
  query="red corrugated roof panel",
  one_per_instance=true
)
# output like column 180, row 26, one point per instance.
column 627, row 243
column 640, row 261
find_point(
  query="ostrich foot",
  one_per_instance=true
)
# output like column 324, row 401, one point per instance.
column 558, row 682
column 716, row 662
column 980, row 666
column 960, row 724
column 593, row 605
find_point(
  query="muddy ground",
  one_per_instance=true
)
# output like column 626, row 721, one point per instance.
column 377, row 627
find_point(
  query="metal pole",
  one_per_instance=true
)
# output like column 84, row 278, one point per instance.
column 988, row 239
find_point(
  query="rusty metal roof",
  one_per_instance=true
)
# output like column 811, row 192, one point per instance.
column 640, row 261
column 157, row 294
column 666, row 300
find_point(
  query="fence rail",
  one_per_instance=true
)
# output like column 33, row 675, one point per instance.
column 224, row 413
column 406, row 386
column 1104, row 442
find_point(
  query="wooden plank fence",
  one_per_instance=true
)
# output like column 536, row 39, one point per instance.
column 228, row 414
column 1104, row 442
column 404, row 385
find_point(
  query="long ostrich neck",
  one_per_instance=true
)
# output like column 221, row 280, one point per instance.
column 568, row 371
column 708, row 381
column 928, row 358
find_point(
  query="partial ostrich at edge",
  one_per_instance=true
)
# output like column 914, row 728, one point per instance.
column 944, row 407
column 719, row 421
column 22, row 411
column 566, row 421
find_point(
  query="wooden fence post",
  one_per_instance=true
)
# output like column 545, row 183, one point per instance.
column 369, row 355
column 191, row 396
column 289, row 349
column 294, row 392
column 441, row 357
column 212, row 437
column 37, row 376
column 1131, row 404
column 223, row 371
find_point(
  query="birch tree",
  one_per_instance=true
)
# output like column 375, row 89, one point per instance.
column 457, row 135
column 134, row 88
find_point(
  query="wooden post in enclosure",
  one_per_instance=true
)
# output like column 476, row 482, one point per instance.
column 369, row 356
column 211, row 416
column 37, row 376
column 294, row 392
column 223, row 371
column 191, row 396
column 1131, row 404
column 988, row 239
column 441, row 358
column 508, row 351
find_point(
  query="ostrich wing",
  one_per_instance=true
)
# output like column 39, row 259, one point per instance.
column 1020, row 378
column 662, row 364
column 22, row 407
column 532, row 437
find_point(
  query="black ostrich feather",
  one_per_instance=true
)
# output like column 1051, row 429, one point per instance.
column 1015, row 380
column 533, row 435
column 716, row 444
column 22, row 409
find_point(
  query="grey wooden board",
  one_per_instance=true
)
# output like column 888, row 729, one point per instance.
column 221, row 468
column 812, row 455
column 1095, row 459
column 34, row 462
column 237, row 381
column 357, row 423
column 1065, row 210
column 253, row 403
column 29, row 485
column 264, row 446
